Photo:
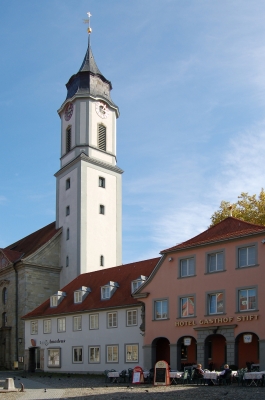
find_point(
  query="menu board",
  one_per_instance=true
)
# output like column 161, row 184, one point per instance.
column 160, row 375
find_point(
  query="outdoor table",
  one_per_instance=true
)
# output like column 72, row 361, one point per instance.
column 212, row 376
column 253, row 376
column 175, row 375
column 114, row 375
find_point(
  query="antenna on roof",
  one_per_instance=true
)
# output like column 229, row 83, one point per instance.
column 230, row 208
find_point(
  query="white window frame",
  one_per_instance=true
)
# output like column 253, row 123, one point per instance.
column 190, row 268
column 93, row 321
column 136, row 284
column 187, row 299
column 105, row 292
column 247, row 301
column 77, row 323
column 61, row 324
column 213, row 257
column 112, row 353
column 47, row 326
column 160, row 304
column 131, row 317
column 77, row 355
column 248, row 256
column 132, row 353
column 53, row 301
column 34, row 327
column 210, row 297
column 78, row 296
column 54, row 358
column 112, row 319
column 94, row 354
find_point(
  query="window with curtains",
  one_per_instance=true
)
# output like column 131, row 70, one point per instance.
column 77, row 323
column 94, row 354
column 161, row 309
column 247, row 256
column 77, row 354
column 215, row 262
column 112, row 353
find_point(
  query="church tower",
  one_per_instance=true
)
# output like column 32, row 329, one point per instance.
column 88, row 184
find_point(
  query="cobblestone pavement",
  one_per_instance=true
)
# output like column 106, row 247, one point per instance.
column 45, row 386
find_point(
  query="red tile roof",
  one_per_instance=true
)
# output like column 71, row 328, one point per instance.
column 31, row 243
column 123, row 275
column 229, row 228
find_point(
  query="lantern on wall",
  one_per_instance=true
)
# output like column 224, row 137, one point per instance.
column 247, row 338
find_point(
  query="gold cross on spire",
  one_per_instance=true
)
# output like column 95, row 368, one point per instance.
column 87, row 21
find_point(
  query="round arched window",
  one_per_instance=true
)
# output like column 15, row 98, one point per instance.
column 4, row 295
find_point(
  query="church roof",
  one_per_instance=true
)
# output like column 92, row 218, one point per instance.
column 229, row 228
column 123, row 275
column 89, row 63
column 31, row 243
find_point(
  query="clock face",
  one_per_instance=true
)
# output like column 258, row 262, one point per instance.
column 102, row 109
column 68, row 112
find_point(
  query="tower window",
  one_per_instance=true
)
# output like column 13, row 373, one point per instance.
column 67, row 210
column 4, row 295
column 67, row 261
column 68, row 139
column 102, row 137
column 102, row 209
column 67, row 234
column 102, row 261
column 4, row 319
column 67, row 184
column 101, row 182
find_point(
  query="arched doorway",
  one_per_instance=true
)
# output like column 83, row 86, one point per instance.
column 214, row 352
column 161, row 347
column 246, row 349
column 186, row 352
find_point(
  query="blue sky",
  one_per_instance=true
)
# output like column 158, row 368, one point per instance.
column 189, row 79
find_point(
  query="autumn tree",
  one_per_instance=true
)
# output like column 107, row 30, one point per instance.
column 248, row 208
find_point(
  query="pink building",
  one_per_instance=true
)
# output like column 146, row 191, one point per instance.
column 205, row 300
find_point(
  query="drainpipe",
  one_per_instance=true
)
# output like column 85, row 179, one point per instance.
column 16, row 307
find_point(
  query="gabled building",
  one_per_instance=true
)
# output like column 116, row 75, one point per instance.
column 29, row 273
column 90, row 325
column 205, row 300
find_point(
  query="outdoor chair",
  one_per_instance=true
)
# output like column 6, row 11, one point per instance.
column 195, row 378
column 107, row 379
column 123, row 376
column 185, row 377
column 225, row 380
column 150, row 377
column 130, row 374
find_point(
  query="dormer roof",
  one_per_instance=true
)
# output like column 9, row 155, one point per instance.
column 123, row 275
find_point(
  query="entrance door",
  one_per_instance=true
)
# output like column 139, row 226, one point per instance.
column 34, row 359
column 163, row 350
column 215, row 352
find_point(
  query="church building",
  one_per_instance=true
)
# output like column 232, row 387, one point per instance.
column 87, row 234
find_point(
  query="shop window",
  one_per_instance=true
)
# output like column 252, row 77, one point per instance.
column 132, row 351
column 112, row 354
column 94, row 354
column 77, row 354
column 54, row 358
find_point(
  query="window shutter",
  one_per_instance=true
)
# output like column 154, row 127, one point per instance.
column 102, row 137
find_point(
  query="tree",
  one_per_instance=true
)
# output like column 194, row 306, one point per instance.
column 248, row 208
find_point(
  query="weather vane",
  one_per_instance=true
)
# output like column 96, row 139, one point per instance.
column 87, row 21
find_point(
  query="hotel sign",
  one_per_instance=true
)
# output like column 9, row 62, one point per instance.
column 220, row 320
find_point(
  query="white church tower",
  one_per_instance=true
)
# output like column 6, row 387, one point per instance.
column 88, row 184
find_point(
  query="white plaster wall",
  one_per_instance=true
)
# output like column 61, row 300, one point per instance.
column 102, row 337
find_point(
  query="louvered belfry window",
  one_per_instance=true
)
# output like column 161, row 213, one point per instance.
column 102, row 137
column 68, row 139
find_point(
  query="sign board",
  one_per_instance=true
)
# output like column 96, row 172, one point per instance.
column 247, row 338
column 138, row 375
column 187, row 341
column 161, row 374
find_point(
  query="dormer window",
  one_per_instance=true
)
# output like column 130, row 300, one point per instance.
column 108, row 290
column 56, row 298
column 138, row 282
column 80, row 294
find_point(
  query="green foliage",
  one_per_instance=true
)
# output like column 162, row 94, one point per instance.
column 248, row 208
